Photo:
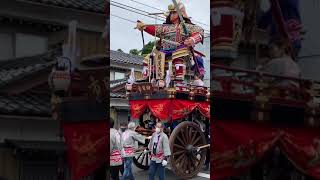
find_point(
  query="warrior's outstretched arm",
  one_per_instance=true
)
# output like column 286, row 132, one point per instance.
column 154, row 30
column 151, row 29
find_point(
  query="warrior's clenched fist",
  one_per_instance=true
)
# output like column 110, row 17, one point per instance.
column 189, row 41
column 140, row 25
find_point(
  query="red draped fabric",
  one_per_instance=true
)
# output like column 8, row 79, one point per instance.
column 137, row 108
column 181, row 108
column 166, row 108
column 204, row 108
column 237, row 146
column 87, row 145
column 160, row 108
column 302, row 147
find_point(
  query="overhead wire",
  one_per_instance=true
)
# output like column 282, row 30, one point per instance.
column 164, row 11
column 132, row 11
column 129, row 20
column 135, row 10
column 147, row 5
column 132, row 8
column 123, row 18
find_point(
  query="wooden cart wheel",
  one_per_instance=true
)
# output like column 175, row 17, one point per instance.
column 142, row 160
column 185, row 161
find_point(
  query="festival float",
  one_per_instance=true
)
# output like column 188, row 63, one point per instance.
column 172, row 91
column 265, row 122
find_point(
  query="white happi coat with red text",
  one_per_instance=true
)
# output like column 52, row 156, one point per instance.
column 129, row 142
column 159, row 147
column 115, row 148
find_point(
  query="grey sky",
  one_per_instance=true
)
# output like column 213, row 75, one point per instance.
column 122, row 34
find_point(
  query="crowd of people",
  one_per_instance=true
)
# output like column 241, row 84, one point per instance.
column 123, row 146
column 178, row 35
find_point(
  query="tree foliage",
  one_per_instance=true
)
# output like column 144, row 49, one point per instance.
column 134, row 52
column 147, row 48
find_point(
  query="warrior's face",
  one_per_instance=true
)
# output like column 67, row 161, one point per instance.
column 174, row 17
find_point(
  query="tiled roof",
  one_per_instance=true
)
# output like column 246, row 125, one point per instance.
column 124, row 58
column 97, row 6
column 30, row 104
column 35, row 104
column 117, row 82
column 11, row 70
column 27, row 104
column 118, row 95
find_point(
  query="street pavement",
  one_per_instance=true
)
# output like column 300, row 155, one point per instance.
column 140, row 174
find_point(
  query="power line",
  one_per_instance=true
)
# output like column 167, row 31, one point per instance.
column 164, row 11
column 120, row 5
column 132, row 10
column 148, row 6
column 134, row 21
column 152, row 7
column 123, row 18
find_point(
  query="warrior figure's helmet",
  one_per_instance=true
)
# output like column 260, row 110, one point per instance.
column 172, row 9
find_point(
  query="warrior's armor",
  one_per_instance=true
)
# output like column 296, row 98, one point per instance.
column 175, row 33
column 171, row 48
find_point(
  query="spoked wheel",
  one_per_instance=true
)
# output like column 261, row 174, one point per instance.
column 186, row 162
column 142, row 160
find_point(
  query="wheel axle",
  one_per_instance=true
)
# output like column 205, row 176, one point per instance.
column 190, row 148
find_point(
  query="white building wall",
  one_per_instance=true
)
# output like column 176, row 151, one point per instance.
column 205, row 49
column 309, row 58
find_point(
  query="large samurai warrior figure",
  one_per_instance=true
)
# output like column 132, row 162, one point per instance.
column 173, row 53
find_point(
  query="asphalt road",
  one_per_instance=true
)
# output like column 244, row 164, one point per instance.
column 143, row 174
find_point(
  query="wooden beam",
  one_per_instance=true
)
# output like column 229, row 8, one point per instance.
column 125, row 66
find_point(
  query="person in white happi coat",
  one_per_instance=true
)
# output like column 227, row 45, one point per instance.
column 129, row 145
column 115, row 151
column 160, row 152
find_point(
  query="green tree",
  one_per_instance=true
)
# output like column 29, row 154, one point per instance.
column 119, row 50
column 147, row 48
column 134, row 52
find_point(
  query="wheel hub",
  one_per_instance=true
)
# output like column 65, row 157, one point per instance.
column 191, row 149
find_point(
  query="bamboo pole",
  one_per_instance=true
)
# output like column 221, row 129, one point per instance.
column 204, row 146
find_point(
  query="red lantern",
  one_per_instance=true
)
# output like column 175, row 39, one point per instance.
column 61, row 75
